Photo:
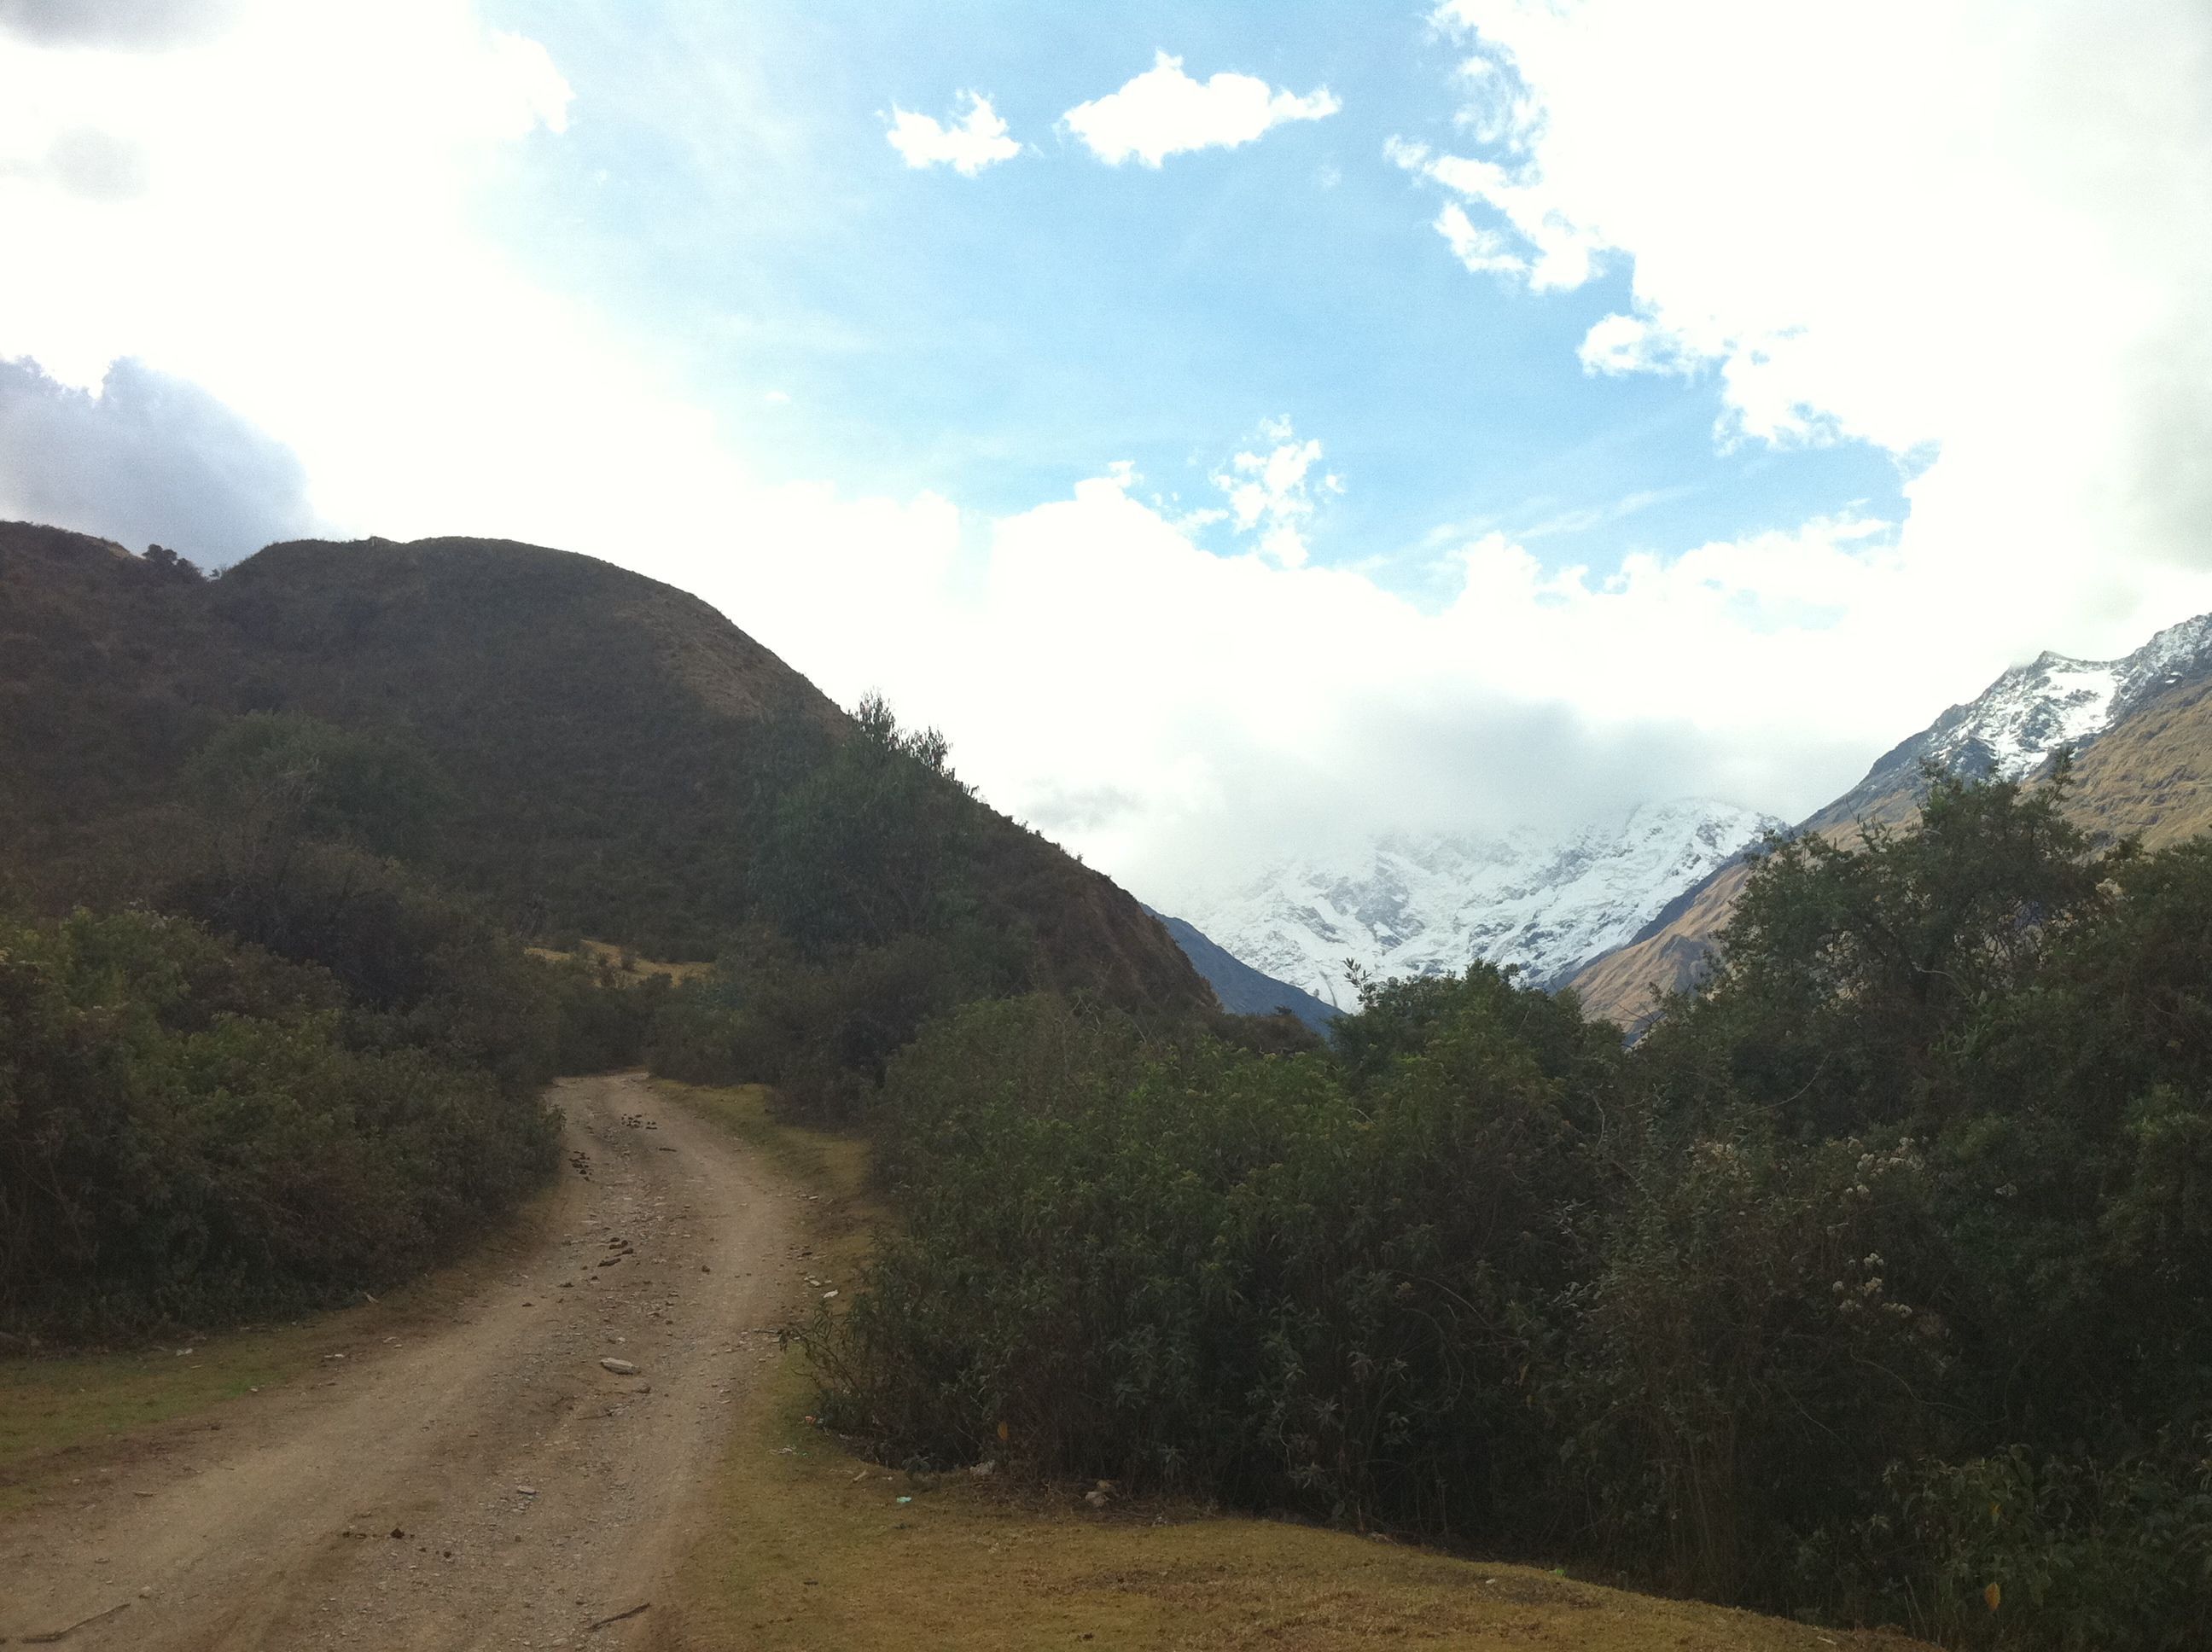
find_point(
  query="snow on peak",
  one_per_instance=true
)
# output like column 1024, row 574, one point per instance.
column 2178, row 651
column 1429, row 904
column 2019, row 721
column 2028, row 713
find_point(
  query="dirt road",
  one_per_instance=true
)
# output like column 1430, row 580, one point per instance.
column 483, row 1480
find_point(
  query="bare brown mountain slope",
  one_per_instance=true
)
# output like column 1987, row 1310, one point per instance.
column 613, row 744
column 1626, row 984
column 2150, row 775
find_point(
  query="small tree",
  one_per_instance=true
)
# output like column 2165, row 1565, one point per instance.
column 1847, row 967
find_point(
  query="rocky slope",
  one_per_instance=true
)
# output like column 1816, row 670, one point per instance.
column 1431, row 905
column 2141, row 730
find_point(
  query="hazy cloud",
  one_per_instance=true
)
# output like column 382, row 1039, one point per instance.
column 129, row 25
column 87, row 162
column 149, row 459
column 96, row 165
column 1055, row 810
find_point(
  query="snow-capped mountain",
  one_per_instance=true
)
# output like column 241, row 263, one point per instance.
column 1432, row 905
column 2153, row 785
column 2014, row 726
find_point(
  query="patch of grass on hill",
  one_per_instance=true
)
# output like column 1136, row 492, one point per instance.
column 627, row 967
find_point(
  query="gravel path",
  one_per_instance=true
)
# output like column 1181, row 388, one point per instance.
column 483, row 1480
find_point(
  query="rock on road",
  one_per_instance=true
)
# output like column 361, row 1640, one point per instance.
column 486, row 1482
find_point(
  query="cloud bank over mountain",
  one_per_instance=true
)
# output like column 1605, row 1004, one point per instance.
column 1966, row 235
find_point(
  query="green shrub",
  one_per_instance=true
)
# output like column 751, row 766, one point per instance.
column 1190, row 1264
column 821, row 1028
column 1750, row 1351
column 188, row 1128
column 2028, row 1549
column 603, row 1020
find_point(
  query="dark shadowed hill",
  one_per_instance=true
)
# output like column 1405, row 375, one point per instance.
column 611, row 745
column 1242, row 989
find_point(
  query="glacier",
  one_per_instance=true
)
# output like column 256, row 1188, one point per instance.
column 1426, row 904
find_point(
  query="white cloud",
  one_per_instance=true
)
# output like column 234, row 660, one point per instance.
column 1969, row 224
column 1564, row 254
column 976, row 140
column 1273, row 493
column 1163, row 111
column 1630, row 343
column 1477, row 249
column 1970, row 233
column 534, row 92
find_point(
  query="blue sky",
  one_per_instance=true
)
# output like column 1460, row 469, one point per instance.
column 1541, row 407
column 997, row 338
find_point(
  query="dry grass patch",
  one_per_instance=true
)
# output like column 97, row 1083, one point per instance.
column 813, row 1547
column 626, row 964
column 833, row 1165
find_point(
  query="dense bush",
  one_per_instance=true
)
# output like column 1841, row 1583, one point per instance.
column 190, row 1128
column 1261, row 1277
column 1874, row 1284
column 319, row 1073
column 820, row 1030
column 284, row 775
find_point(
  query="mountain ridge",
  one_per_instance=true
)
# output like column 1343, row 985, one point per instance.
column 2157, row 782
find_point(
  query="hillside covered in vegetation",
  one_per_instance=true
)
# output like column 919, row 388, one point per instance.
column 295, row 857
column 608, row 752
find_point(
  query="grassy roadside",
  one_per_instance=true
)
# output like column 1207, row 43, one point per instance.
column 77, row 1414
column 812, row 1548
column 68, row 1417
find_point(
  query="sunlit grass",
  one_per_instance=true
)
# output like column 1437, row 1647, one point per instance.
column 627, row 964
